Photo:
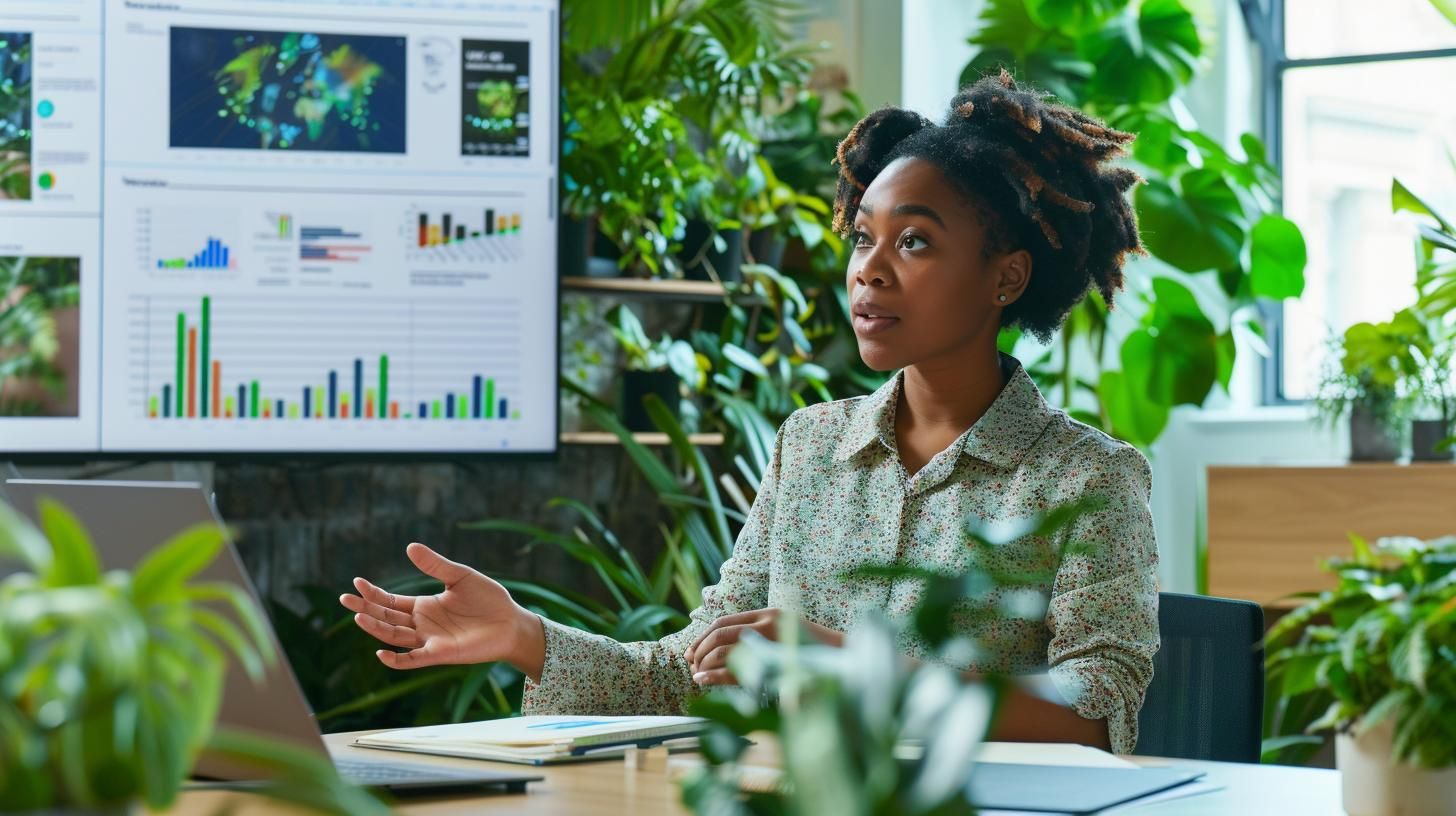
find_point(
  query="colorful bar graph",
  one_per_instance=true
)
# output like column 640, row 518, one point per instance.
column 449, row 231
column 195, row 388
column 215, row 255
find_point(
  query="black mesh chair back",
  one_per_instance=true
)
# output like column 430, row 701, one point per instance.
column 1206, row 700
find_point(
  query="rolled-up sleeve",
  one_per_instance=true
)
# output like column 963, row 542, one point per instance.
column 1103, row 616
column 586, row 673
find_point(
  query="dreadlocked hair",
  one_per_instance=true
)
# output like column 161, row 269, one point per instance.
column 1036, row 171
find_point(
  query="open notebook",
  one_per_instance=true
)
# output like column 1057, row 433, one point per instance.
column 537, row 740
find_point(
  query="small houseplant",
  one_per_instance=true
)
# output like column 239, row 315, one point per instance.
column 1369, row 378
column 1375, row 660
column 1436, row 289
column 110, row 683
column 652, row 367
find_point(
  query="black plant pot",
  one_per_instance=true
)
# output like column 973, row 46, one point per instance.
column 698, row 239
column 1426, row 436
column 1371, row 439
column 767, row 247
column 636, row 385
column 573, row 240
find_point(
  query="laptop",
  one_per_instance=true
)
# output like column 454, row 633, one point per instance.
column 129, row 519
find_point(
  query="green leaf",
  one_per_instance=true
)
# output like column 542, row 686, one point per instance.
column 1447, row 8
column 1144, row 54
column 1277, row 258
column 173, row 563
column 1135, row 418
column 21, row 541
column 1401, row 198
column 1195, row 227
column 1071, row 15
column 75, row 562
column 744, row 360
column 1411, row 659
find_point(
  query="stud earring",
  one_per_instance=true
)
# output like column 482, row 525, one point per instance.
column 1001, row 298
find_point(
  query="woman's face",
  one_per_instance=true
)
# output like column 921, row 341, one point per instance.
column 920, row 285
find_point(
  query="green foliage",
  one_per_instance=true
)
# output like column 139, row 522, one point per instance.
column 1206, row 213
column 16, row 136
column 644, row 354
column 663, row 105
column 1378, row 648
column 1387, row 368
column 110, row 684
column 31, row 290
column 1435, row 302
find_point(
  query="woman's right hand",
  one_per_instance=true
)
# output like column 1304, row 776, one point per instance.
column 474, row 620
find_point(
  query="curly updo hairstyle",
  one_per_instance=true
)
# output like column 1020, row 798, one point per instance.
column 1039, row 176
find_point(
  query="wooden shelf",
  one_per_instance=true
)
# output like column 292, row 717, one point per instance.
column 609, row 438
column 1270, row 527
column 685, row 290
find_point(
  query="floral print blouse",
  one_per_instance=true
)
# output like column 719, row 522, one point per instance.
column 836, row 496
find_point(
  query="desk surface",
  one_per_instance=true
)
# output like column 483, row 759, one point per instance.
column 608, row 788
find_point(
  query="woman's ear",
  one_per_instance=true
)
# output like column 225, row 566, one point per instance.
column 1013, row 273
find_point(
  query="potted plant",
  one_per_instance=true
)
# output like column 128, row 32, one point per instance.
column 658, row 367
column 1431, row 432
column 110, row 683
column 1431, row 438
column 1369, row 379
column 1378, row 654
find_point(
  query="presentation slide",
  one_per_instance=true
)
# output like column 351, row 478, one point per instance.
column 50, row 225
column 328, row 225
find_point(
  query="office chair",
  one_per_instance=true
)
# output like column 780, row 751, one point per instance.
column 1206, row 700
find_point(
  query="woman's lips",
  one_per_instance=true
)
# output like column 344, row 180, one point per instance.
column 866, row 325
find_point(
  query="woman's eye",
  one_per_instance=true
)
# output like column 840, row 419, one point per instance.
column 913, row 242
column 858, row 238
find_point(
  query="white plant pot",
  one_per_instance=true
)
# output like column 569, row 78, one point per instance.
column 1373, row 785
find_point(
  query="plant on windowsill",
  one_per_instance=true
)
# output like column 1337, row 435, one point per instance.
column 1368, row 377
column 1436, row 286
column 110, row 683
column 1375, row 660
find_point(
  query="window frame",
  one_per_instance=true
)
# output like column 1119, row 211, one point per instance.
column 1265, row 23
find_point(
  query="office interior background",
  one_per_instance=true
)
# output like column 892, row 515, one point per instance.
column 1283, row 355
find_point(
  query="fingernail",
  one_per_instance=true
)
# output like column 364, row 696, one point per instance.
column 700, row 677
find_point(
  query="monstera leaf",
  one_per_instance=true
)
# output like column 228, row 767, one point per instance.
column 1194, row 222
column 1144, row 54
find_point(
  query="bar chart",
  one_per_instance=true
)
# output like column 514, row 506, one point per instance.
column 490, row 236
column 331, row 244
column 229, row 358
column 215, row 255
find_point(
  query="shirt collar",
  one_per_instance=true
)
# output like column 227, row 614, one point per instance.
column 1001, row 437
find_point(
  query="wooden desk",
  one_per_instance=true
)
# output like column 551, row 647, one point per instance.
column 607, row 789
column 1270, row 527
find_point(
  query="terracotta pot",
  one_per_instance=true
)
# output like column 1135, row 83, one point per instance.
column 1373, row 785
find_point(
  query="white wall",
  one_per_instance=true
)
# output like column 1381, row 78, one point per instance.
column 934, row 50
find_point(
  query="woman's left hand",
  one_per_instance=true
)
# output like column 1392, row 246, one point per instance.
column 708, row 656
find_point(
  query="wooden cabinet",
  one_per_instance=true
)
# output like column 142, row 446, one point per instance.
column 1270, row 527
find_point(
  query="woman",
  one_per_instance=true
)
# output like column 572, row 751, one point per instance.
column 1005, row 215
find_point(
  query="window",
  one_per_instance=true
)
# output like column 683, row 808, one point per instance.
column 1357, row 95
